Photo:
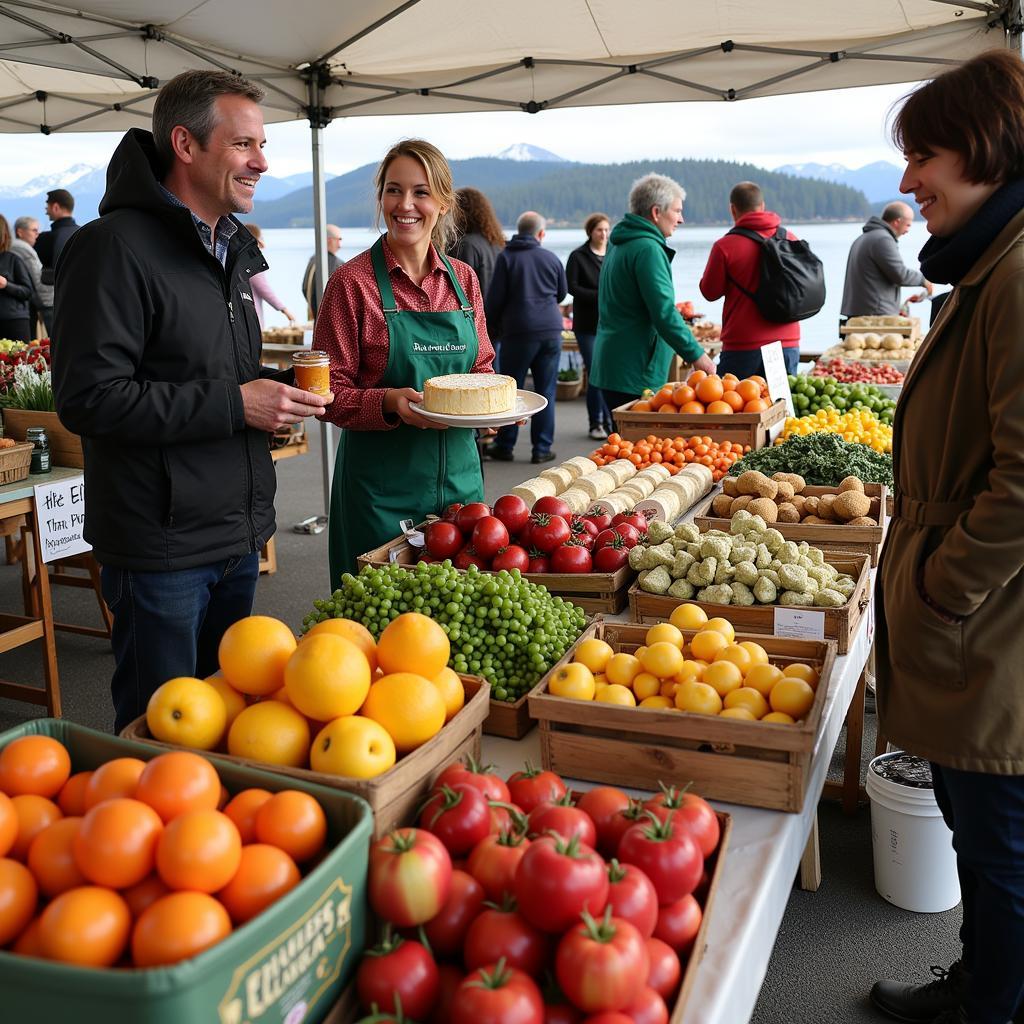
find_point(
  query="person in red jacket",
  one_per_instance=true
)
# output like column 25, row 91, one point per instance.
column 736, row 261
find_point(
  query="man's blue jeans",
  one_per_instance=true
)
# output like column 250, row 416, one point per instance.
column 169, row 624
column 540, row 355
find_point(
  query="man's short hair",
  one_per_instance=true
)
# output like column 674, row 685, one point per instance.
column 62, row 197
column 24, row 223
column 894, row 211
column 746, row 197
column 530, row 223
column 653, row 190
column 188, row 100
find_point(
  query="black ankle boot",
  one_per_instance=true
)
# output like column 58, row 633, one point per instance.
column 923, row 1003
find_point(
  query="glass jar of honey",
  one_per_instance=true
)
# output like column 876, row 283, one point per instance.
column 312, row 371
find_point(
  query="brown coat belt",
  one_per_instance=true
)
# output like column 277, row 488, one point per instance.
column 930, row 513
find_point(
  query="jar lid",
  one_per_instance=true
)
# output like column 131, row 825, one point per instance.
column 313, row 356
column 35, row 432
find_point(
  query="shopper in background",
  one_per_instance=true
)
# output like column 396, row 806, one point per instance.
column 950, row 590
column 638, row 326
column 482, row 238
column 333, row 240
column 261, row 290
column 15, row 290
column 26, row 230
column 583, row 271
column 60, row 204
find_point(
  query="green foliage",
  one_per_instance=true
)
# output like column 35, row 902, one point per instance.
column 821, row 459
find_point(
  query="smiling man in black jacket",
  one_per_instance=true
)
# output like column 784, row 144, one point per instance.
column 157, row 366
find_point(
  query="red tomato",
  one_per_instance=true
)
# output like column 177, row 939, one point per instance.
column 648, row 1008
column 459, row 815
column 631, row 896
column 398, row 970
column 489, row 536
column 561, row 1013
column 621, row 823
column 669, row 857
column 513, row 512
column 469, row 515
column 511, row 557
column 548, row 532
column 601, row 520
column 451, row 978
column 497, row 995
column 690, row 811
column 552, row 506
column 502, row 932
column 602, row 965
column 611, row 558
column 564, row 819
column 451, row 512
column 443, row 539
column 678, row 923
column 572, row 556
column 468, row 556
column 665, row 970
column 538, row 561
column 533, row 786
column 556, row 881
column 493, row 863
column 583, row 530
column 410, row 876
column 483, row 776
column 635, row 519
column 608, row 1017
column 446, row 931
column 603, row 803
column 630, row 536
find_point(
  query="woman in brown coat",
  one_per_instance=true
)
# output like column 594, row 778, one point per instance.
column 951, row 589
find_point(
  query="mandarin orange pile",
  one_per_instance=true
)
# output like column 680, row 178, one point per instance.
column 708, row 393
column 139, row 864
column 672, row 452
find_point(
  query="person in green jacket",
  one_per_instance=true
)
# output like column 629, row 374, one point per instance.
column 638, row 325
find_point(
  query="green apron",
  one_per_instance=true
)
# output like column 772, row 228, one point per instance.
column 384, row 476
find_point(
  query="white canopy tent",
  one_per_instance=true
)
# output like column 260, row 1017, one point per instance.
column 98, row 67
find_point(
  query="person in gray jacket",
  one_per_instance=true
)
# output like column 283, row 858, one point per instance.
column 875, row 272
column 26, row 231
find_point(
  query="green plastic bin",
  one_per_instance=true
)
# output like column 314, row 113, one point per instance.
column 286, row 966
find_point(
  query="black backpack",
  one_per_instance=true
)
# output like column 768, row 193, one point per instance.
column 792, row 285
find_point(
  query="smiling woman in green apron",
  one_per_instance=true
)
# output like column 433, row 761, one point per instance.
column 394, row 316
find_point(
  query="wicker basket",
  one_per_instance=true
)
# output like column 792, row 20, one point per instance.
column 567, row 390
column 15, row 462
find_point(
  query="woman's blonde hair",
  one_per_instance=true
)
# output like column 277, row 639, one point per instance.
column 439, row 178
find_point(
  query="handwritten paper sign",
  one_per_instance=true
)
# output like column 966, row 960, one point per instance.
column 777, row 379
column 60, row 512
column 799, row 624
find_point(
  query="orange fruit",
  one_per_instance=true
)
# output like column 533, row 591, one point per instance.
column 692, row 408
column 757, row 405
column 8, row 824
column 116, row 779
column 178, row 782
column 748, row 390
column 34, row 764
column 779, row 718
column 242, row 808
column 738, row 712
column 800, row 670
column 327, row 676
column 724, row 676
column 707, row 643
column 594, row 653
column 664, row 631
column 177, row 927
column 699, row 698
column 574, row 681
column 663, row 659
column 409, row 706
column 116, row 842
column 614, row 693
column 253, row 653
column 733, row 400
column 720, row 408
column 688, row 616
column 762, row 678
column 347, row 629
column 272, row 733
column 34, row 813
column 29, row 942
column 641, row 407
column 294, row 822
column 413, row 643
column 739, row 656
column 353, row 746
column 265, row 873
column 453, row 693
column 683, row 394
column 646, row 685
column 792, row 696
column 622, row 669
column 88, row 926
column 690, row 670
column 710, row 389
column 71, row 799
column 758, row 655
column 723, row 626
column 143, row 895
column 51, row 858
column 234, row 702
column 749, row 698
column 18, row 896
column 199, row 850
column 729, row 381
column 696, row 377
column 187, row 712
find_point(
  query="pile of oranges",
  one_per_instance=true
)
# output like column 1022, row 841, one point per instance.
column 139, row 864
column 336, row 701
column 708, row 393
column 672, row 452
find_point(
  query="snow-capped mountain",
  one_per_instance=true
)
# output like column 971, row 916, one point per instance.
column 523, row 151
column 44, row 182
column 878, row 181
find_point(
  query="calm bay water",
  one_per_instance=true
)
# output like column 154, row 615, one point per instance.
column 289, row 249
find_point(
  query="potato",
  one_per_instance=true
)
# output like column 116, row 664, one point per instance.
column 811, row 505
column 785, row 492
column 893, row 342
column 851, row 483
column 825, row 503
column 756, row 484
column 788, row 514
column 816, row 521
column 765, row 508
column 851, row 505
column 797, row 501
column 722, row 506
column 794, row 479
column 729, row 486
column 741, row 502
column 861, row 521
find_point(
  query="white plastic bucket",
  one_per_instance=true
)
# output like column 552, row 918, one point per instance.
column 915, row 864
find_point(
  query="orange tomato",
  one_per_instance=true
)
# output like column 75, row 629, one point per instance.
column 34, row 764
column 71, row 799
column 748, row 390
column 720, row 408
column 199, row 850
column 175, row 783
column 116, row 842
column 51, row 858
column 18, row 896
column 264, row 875
column 733, row 400
column 8, row 824
column 242, row 808
column 692, row 408
column 142, row 896
column 34, row 814
column 710, row 389
column 757, row 405
column 88, row 926
column 117, row 778
column 177, row 927
column 294, row 822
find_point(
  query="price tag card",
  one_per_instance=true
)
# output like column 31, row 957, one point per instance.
column 778, row 381
column 60, row 513
column 799, row 624
column 415, row 537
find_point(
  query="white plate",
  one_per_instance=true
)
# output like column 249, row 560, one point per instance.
column 528, row 404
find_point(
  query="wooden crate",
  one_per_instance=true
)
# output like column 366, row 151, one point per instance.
column 594, row 592
column 911, row 331
column 65, row 447
column 511, row 721
column 745, row 427
column 753, row 763
column 840, row 623
column 395, row 794
column 857, row 540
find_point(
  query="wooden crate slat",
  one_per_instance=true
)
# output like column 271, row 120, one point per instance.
column 748, row 427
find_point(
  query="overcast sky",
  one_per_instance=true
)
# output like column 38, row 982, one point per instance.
column 846, row 126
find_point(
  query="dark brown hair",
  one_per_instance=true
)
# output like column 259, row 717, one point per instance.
column 5, row 234
column 976, row 110
column 188, row 99
column 476, row 214
column 746, row 196
column 593, row 220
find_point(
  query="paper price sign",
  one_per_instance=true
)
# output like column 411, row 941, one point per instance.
column 777, row 379
column 799, row 624
column 60, row 513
